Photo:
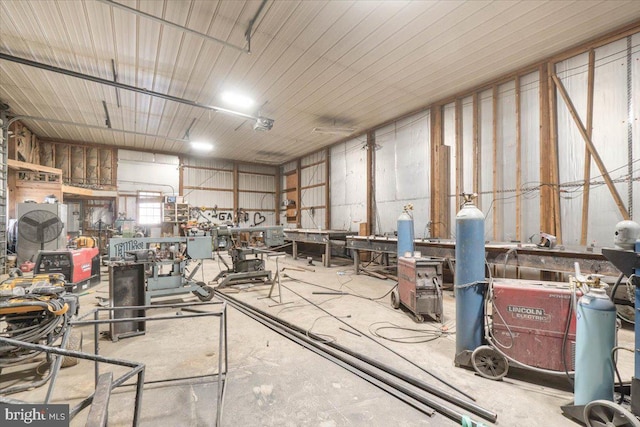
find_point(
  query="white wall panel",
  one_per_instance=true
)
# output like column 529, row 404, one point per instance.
column 402, row 173
column 610, row 119
column 288, row 167
column 313, row 197
column 313, row 158
column 467, row 145
column 486, row 160
column 530, row 165
column 209, row 199
column 449, row 139
column 208, row 163
column 571, row 146
column 147, row 172
column 257, row 201
column 313, row 175
column 248, row 181
column 313, row 219
column 348, row 185
column 270, row 170
column 506, row 205
column 207, row 178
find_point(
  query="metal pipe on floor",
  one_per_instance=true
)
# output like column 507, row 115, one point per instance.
column 379, row 343
column 289, row 331
column 416, row 401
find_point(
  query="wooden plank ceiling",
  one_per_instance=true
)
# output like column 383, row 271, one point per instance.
column 313, row 64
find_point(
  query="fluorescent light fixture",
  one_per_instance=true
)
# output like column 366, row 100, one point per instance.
column 237, row 100
column 201, row 146
column 333, row 131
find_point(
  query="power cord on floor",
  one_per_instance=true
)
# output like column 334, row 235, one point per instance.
column 406, row 359
column 330, row 338
column 423, row 335
column 339, row 292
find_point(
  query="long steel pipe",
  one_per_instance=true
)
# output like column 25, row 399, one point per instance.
column 52, row 68
column 418, row 402
column 289, row 330
column 469, row 406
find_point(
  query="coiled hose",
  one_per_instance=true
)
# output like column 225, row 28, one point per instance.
column 46, row 324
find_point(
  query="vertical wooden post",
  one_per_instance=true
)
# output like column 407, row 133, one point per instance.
column 518, row 162
column 546, row 194
column 553, row 154
column 278, row 195
column 114, row 166
column 587, row 153
column 496, row 202
column 180, row 175
column 327, row 189
column 440, row 177
column 459, row 155
column 298, row 194
column 236, row 197
column 371, row 144
column 476, row 148
column 436, row 181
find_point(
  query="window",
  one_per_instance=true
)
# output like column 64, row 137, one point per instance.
column 149, row 208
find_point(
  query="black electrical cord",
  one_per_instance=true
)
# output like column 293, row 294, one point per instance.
column 615, row 367
column 384, row 346
column 565, row 336
column 339, row 292
column 423, row 335
column 32, row 328
column 612, row 296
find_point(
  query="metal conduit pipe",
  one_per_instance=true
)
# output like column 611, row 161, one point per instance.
column 467, row 405
column 411, row 398
column 291, row 333
column 441, row 380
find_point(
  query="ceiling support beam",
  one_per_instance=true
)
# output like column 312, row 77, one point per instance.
column 172, row 24
column 119, row 85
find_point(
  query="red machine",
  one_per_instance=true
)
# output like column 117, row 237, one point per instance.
column 530, row 320
column 80, row 267
column 419, row 287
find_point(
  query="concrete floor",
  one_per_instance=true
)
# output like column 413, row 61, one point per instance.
column 275, row 382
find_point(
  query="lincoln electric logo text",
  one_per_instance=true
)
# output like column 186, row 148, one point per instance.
column 528, row 313
column 130, row 245
column 31, row 415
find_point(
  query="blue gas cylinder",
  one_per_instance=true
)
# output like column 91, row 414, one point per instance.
column 595, row 338
column 469, row 278
column 405, row 232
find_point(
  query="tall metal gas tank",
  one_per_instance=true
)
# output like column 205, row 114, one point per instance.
column 595, row 338
column 469, row 272
column 405, row 232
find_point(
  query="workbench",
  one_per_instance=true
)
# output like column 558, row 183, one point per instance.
column 320, row 237
column 527, row 255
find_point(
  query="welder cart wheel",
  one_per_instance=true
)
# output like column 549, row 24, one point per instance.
column 395, row 298
column 419, row 318
column 74, row 343
column 207, row 289
column 602, row 413
column 488, row 363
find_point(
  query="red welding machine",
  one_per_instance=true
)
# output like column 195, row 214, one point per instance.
column 530, row 320
column 80, row 267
